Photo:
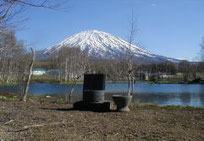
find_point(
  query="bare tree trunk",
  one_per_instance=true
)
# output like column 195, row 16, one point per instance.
column 29, row 76
column 9, row 75
column 129, row 85
column 129, row 56
column 70, row 69
column 133, row 83
column 72, row 90
column 66, row 69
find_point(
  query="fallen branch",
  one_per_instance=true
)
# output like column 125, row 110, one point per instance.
column 33, row 126
column 9, row 122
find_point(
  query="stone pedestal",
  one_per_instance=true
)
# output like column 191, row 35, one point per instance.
column 93, row 94
column 122, row 102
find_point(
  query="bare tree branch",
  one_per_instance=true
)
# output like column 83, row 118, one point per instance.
column 9, row 9
column 129, row 56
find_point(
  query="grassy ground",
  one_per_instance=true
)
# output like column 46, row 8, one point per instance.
column 49, row 118
column 52, row 79
column 177, row 81
column 44, row 79
column 167, row 81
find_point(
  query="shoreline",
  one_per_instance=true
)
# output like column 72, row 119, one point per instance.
column 47, row 81
column 60, row 99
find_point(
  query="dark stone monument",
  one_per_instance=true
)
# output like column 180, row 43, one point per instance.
column 93, row 88
column 94, row 82
column 93, row 94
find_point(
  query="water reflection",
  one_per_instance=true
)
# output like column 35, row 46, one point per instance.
column 164, row 94
column 185, row 98
column 201, row 95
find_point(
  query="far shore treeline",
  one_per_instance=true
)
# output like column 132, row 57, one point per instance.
column 72, row 63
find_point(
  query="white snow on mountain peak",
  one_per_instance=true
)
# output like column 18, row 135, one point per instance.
column 100, row 44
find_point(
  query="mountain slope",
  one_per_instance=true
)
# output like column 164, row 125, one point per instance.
column 104, row 45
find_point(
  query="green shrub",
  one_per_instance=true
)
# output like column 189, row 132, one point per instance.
column 42, row 100
column 11, row 98
column 138, row 104
column 60, row 101
column 31, row 98
column 173, row 107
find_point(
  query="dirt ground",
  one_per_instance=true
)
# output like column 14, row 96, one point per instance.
column 58, row 122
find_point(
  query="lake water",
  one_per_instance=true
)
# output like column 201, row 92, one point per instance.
column 163, row 94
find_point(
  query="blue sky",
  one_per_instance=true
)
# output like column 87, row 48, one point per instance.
column 172, row 28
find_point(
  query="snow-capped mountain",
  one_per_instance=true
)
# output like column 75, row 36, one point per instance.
column 103, row 45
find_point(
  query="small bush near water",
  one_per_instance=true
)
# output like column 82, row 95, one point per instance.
column 60, row 101
column 11, row 98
